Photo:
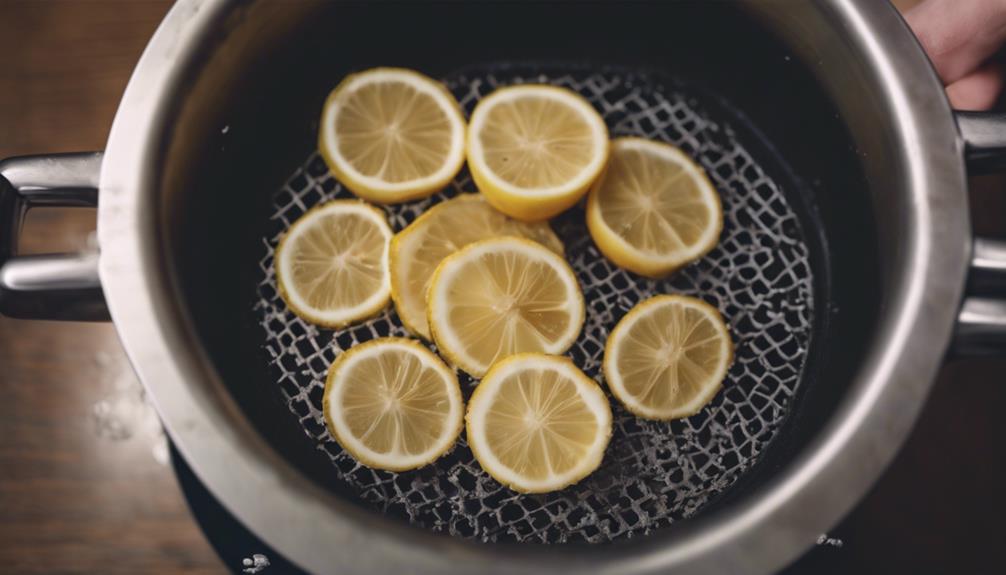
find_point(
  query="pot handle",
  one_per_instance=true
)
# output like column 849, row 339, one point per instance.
column 981, row 323
column 48, row 286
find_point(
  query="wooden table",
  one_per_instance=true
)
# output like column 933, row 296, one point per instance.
column 83, row 483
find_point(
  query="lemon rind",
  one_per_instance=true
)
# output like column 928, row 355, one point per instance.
column 370, row 307
column 535, row 204
column 454, row 419
column 614, row 380
column 374, row 189
column 625, row 255
column 397, row 278
column 448, row 344
column 590, row 392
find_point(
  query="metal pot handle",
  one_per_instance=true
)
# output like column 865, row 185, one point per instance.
column 981, row 324
column 49, row 286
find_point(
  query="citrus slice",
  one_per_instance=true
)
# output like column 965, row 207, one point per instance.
column 653, row 210
column 502, row 296
column 535, row 150
column 332, row 264
column 417, row 250
column 536, row 423
column 393, row 404
column 391, row 135
column 667, row 357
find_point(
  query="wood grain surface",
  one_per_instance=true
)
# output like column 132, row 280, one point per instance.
column 83, row 483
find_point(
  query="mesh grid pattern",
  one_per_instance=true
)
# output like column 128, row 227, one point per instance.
column 654, row 473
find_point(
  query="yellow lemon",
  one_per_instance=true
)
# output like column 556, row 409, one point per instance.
column 536, row 423
column 393, row 404
column 667, row 357
column 391, row 135
column 502, row 296
column 534, row 150
column 332, row 264
column 447, row 227
column 653, row 210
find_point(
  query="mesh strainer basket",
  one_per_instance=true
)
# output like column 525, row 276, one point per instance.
column 654, row 473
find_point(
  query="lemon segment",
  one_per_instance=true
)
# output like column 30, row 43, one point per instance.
column 392, row 135
column 536, row 423
column 392, row 404
column 534, row 150
column 502, row 296
column 653, row 210
column 445, row 228
column 667, row 357
column 332, row 264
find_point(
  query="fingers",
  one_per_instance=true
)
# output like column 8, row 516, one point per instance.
column 978, row 90
column 959, row 35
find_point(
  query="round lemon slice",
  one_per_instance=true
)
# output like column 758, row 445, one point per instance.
column 653, row 210
column 393, row 404
column 502, row 296
column 332, row 264
column 447, row 227
column 534, row 150
column 536, row 423
column 391, row 135
column 667, row 357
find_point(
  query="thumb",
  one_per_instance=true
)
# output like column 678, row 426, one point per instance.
column 959, row 36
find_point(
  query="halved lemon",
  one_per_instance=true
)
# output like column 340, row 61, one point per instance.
column 653, row 210
column 536, row 423
column 667, row 357
column 332, row 264
column 391, row 135
column 393, row 404
column 447, row 227
column 534, row 150
column 502, row 296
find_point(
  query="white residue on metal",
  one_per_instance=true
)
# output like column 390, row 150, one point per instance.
column 823, row 539
column 256, row 563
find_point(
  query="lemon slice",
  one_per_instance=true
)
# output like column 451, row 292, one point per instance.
column 502, row 296
column 536, row 423
column 393, row 404
column 667, row 357
column 417, row 250
column 535, row 150
column 653, row 210
column 332, row 265
column 392, row 135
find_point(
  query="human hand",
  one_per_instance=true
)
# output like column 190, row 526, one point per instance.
column 962, row 38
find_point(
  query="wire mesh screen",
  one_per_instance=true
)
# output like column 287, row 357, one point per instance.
column 654, row 473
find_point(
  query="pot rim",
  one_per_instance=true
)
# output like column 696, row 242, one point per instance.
column 323, row 533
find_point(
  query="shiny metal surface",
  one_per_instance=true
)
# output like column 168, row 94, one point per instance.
column 981, row 327
column 897, row 96
column 51, row 286
column 988, row 267
column 56, row 179
column 984, row 135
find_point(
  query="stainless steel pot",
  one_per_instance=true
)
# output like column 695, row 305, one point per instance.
column 182, row 100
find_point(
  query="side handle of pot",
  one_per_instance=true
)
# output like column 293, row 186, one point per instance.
column 48, row 286
column 981, row 323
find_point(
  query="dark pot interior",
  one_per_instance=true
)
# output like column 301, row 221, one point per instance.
column 264, row 80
